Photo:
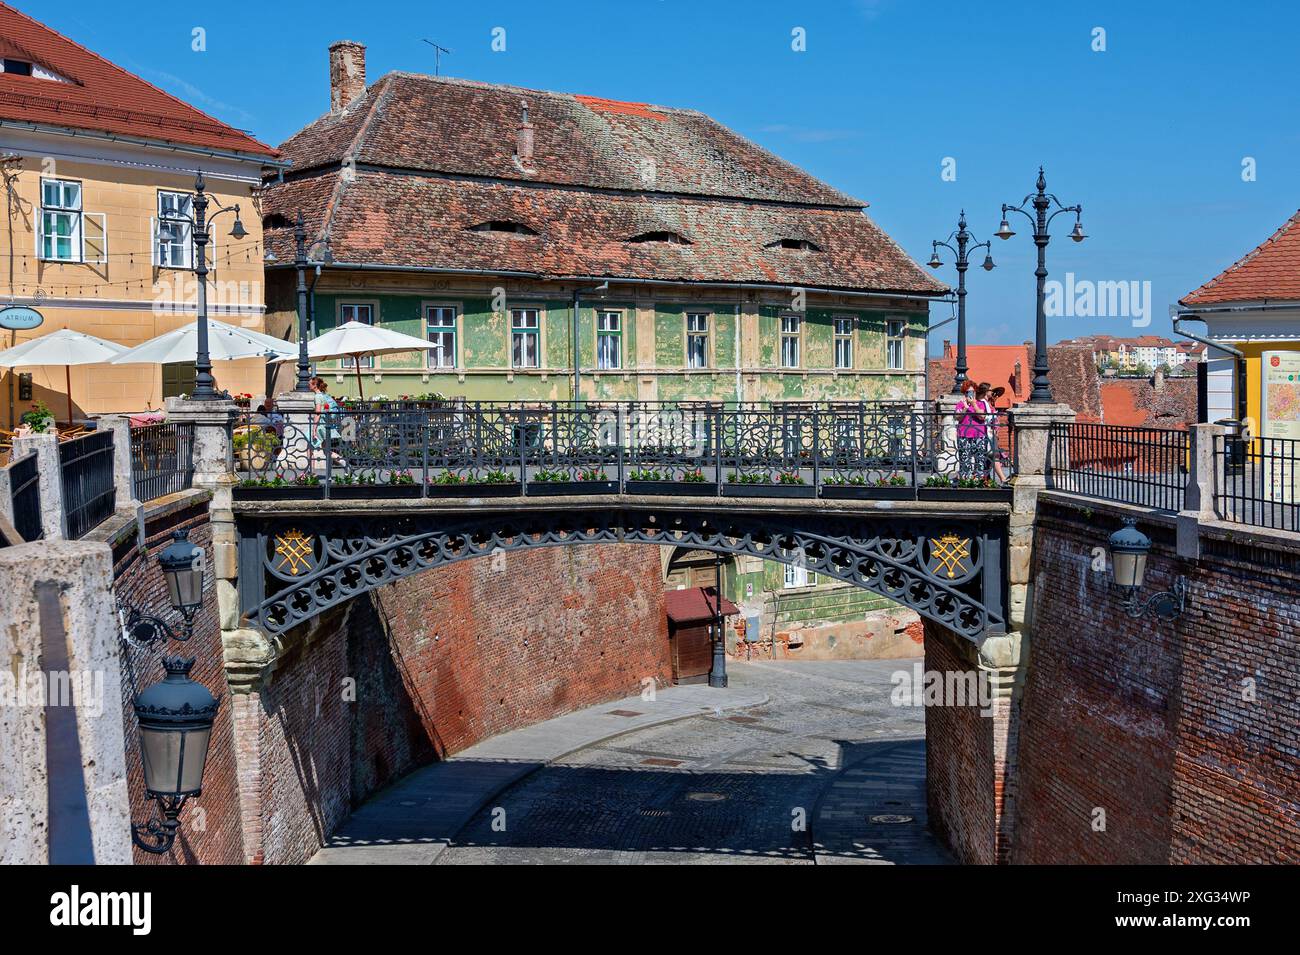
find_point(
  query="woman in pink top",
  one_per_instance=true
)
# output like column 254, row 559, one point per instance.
column 974, row 448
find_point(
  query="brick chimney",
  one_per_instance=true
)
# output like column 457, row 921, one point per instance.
column 947, row 349
column 347, row 73
column 524, row 137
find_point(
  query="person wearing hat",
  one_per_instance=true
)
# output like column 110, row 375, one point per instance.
column 977, row 450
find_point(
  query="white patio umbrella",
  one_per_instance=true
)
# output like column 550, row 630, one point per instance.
column 64, row 347
column 356, row 340
column 225, row 343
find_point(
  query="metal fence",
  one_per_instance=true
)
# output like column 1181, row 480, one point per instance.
column 86, row 472
column 25, row 497
column 162, row 459
column 800, row 448
column 1144, row 466
column 1261, row 481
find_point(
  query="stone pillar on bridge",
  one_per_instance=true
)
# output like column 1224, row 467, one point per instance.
column 1031, row 430
column 49, row 476
column 1204, row 479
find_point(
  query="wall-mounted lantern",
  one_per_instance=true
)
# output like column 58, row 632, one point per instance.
column 175, row 718
column 175, row 715
column 1128, row 561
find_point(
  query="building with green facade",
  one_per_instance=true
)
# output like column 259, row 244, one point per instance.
column 704, row 267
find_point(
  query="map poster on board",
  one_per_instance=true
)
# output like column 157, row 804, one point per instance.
column 1280, row 418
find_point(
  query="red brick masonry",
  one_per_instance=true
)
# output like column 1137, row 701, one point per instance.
column 1153, row 723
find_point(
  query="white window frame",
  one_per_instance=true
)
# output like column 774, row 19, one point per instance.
column 182, row 220
column 895, row 344
column 436, row 355
column 844, row 339
column 703, row 333
column 367, row 361
column 524, row 332
column 77, row 236
column 796, row 576
column 609, row 328
column 794, row 337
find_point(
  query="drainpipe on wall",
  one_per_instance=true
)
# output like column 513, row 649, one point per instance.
column 735, row 344
column 1239, row 358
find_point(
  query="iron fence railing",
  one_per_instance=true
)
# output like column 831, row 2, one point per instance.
column 162, row 459
column 1132, row 465
column 86, row 472
column 1260, row 482
column 798, row 448
column 25, row 497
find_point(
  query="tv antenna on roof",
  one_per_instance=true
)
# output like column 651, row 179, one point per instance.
column 438, row 51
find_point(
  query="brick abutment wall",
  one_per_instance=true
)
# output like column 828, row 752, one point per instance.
column 427, row 666
column 970, row 753
column 1148, row 742
column 211, row 830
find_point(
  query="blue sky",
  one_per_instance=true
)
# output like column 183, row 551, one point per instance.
column 1149, row 135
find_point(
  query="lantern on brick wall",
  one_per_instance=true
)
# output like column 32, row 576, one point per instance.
column 1129, row 548
column 182, row 565
column 175, row 717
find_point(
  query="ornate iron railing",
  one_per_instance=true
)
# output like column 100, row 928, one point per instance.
column 89, row 494
column 162, row 459
column 1260, row 481
column 782, row 449
column 1146, row 466
column 25, row 497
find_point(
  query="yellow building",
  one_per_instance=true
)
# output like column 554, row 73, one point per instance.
column 1251, row 310
column 99, row 171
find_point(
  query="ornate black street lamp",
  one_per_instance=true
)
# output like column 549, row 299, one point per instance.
column 182, row 565
column 175, row 716
column 1042, row 201
column 204, row 389
column 301, row 263
column 1129, row 548
column 963, row 239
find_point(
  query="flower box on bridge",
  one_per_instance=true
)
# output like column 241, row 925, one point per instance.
column 675, row 488
column 963, row 493
column 354, row 492
column 736, row 489
column 556, row 488
column 278, row 492
column 868, row 492
column 476, row 489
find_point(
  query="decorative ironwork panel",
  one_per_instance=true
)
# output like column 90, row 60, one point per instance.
column 935, row 566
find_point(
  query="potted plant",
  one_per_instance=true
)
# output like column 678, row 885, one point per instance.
column 304, row 487
column 764, row 484
column 254, row 448
column 868, row 487
column 691, row 482
column 945, row 487
column 40, row 419
column 494, row 483
column 587, row 481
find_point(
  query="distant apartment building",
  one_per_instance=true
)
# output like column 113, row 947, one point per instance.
column 99, row 170
column 1148, row 352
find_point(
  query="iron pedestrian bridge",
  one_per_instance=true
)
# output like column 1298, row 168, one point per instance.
column 330, row 506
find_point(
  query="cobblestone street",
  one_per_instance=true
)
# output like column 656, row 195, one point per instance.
column 827, row 771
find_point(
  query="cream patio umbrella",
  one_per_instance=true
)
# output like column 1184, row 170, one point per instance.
column 64, row 347
column 357, row 340
column 225, row 343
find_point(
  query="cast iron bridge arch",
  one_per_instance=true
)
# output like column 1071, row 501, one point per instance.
column 946, row 564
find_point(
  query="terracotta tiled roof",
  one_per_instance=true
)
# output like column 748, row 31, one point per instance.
column 439, row 124
column 1271, row 271
column 99, row 95
column 433, row 157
